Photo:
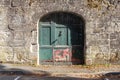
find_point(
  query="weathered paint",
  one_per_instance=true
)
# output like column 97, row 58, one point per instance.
column 62, row 54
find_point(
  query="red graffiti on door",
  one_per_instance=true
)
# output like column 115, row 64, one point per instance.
column 62, row 54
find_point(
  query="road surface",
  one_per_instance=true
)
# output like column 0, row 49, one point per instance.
column 21, row 77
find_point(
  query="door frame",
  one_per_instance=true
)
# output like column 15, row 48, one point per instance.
column 54, row 27
column 38, row 27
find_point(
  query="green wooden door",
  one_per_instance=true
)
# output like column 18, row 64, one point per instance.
column 77, row 42
column 62, row 49
column 45, row 50
column 60, row 43
column 54, row 43
column 61, row 38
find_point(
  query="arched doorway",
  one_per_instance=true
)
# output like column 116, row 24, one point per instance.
column 61, row 38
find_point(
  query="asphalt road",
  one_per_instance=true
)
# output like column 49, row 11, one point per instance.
column 16, row 77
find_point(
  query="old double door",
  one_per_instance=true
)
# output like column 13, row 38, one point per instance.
column 60, row 43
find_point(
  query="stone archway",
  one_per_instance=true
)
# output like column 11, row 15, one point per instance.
column 61, row 38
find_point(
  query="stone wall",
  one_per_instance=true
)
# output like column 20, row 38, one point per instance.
column 104, row 34
column 19, row 23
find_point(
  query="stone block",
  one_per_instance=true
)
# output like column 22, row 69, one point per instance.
column 92, row 37
column 6, row 54
column 115, row 57
column 18, row 35
column 110, row 29
column 3, row 43
column 3, row 18
column 16, row 43
column 92, row 43
column 35, row 17
column 114, row 44
column 17, row 20
column 5, row 35
column 101, row 58
column 34, row 37
column 21, row 54
column 16, row 3
column 7, row 2
column 103, row 36
column 33, row 48
column 114, row 35
column 103, row 42
column 104, row 49
column 89, row 61
column 116, row 27
column 94, row 49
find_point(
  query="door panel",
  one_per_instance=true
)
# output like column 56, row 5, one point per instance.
column 62, row 54
column 46, row 54
column 75, row 33
column 61, row 36
column 61, row 43
column 46, row 35
column 76, row 42
column 77, row 56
